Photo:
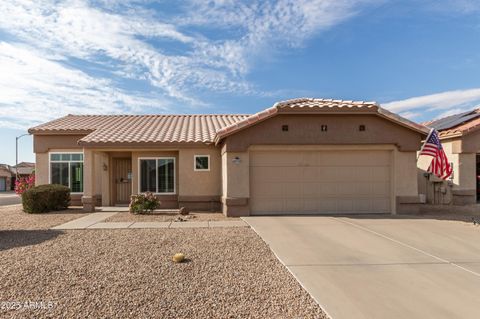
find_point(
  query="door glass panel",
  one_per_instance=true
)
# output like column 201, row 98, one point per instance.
column 76, row 177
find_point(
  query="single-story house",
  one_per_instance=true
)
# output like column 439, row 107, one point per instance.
column 8, row 174
column 23, row 169
column 5, row 177
column 460, row 137
column 298, row 156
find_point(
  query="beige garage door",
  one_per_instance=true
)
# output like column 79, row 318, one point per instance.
column 320, row 182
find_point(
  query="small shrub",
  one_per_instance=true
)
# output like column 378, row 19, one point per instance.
column 24, row 183
column 45, row 198
column 143, row 203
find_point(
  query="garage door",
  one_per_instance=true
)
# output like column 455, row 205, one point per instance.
column 320, row 182
column 3, row 184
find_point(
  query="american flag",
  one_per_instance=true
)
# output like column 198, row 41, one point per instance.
column 433, row 147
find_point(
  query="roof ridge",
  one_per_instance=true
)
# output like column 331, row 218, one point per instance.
column 336, row 101
column 153, row 115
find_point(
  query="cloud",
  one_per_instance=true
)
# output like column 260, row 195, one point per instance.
column 447, row 103
column 265, row 26
column 34, row 89
column 79, row 56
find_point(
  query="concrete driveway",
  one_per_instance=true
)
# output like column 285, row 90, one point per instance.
column 380, row 267
column 9, row 198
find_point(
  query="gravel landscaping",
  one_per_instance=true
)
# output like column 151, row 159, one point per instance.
column 169, row 216
column 13, row 217
column 128, row 273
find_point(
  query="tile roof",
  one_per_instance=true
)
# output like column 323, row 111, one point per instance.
column 115, row 129
column 456, row 125
column 323, row 105
column 150, row 129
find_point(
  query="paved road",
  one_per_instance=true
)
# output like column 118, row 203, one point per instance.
column 380, row 267
column 9, row 198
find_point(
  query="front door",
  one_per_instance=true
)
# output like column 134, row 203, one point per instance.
column 122, row 178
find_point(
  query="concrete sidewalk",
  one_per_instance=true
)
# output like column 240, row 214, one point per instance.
column 96, row 221
column 86, row 221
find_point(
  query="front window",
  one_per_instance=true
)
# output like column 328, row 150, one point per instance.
column 157, row 175
column 67, row 169
column 202, row 162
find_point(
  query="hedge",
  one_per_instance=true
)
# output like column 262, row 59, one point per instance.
column 46, row 198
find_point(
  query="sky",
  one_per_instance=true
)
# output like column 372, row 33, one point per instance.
column 419, row 58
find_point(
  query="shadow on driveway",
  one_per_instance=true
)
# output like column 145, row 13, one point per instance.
column 20, row 238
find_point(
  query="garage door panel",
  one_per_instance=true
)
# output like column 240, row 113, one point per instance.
column 381, row 189
column 289, row 174
column 363, row 205
column 266, row 174
column 327, row 205
column 320, row 181
column 276, row 158
column 345, row 205
column 293, row 205
column 311, row 159
column 311, row 190
column 381, row 205
column 267, row 205
column 381, row 173
column 310, row 174
column 310, row 205
column 292, row 190
column 267, row 189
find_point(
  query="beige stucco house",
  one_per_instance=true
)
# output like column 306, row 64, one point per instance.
column 460, row 136
column 6, row 175
column 298, row 156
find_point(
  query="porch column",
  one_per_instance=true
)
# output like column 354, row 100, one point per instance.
column 88, row 198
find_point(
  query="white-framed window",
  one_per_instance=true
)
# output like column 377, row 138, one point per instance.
column 201, row 162
column 67, row 169
column 156, row 175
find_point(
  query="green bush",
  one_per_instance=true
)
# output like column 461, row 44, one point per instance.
column 46, row 198
column 143, row 203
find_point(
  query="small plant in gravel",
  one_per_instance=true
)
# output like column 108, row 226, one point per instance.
column 24, row 183
column 143, row 203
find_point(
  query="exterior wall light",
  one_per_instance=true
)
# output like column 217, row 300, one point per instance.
column 236, row 160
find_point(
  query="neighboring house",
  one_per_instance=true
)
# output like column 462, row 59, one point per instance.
column 460, row 136
column 298, row 156
column 24, row 169
column 6, row 175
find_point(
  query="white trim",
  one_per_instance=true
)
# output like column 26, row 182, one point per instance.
column 50, row 167
column 139, row 182
column 195, row 163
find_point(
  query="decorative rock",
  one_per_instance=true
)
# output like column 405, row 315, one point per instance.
column 183, row 211
column 179, row 219
column 178, row 257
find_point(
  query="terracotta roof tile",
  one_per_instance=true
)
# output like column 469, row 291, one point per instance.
column 320, row 104
column 125, row 129
column 102, row 129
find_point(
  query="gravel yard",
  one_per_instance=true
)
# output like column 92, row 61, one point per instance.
column 127, row 273
column 13, row 217
column 168, row 217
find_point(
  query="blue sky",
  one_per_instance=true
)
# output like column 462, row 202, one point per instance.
column 419, row 58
